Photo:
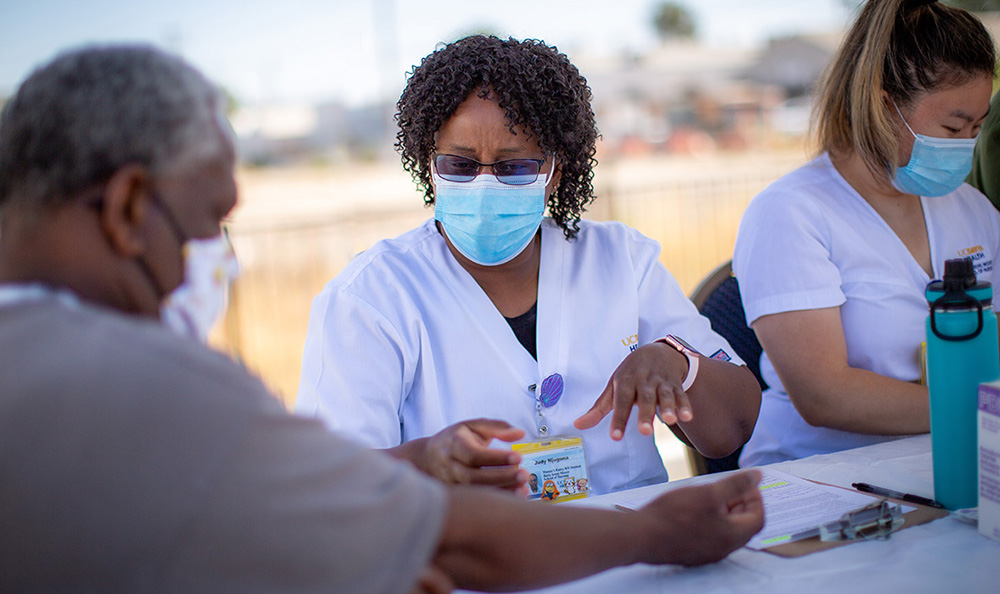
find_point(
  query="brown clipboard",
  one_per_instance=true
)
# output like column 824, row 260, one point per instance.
column 921, row 515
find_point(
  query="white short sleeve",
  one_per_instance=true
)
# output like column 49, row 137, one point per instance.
column 364, row 397
column 782, row 256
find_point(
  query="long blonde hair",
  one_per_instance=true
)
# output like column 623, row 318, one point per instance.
column 900, row 49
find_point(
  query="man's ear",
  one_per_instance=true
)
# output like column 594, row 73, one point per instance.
column 125, row 209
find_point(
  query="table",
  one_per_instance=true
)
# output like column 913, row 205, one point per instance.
column 942, row 556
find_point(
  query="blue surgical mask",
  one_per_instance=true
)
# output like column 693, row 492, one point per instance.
column 487, row 221
column 937, row 166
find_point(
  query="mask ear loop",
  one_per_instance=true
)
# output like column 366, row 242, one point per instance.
column 551, row 174
column 232, row 322
column 902, row 118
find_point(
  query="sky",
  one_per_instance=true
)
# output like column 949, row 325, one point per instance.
column 358, row 51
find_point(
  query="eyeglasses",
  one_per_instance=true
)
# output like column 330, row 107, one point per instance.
column 513, row 172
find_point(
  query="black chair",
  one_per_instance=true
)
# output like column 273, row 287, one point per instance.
column 718, row 299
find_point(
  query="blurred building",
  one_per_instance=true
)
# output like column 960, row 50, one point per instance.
column 684, row 97
column 681, row 97
column 280, row 134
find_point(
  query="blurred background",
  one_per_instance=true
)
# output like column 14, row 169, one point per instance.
column 700, row 103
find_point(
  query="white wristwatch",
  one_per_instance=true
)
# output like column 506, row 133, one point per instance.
column 689, row 353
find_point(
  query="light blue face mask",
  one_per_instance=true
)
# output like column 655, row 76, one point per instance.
column 937, row 166
column 487, row 221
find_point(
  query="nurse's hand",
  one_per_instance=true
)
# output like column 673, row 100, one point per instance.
column 460, row 454
column 650, row 378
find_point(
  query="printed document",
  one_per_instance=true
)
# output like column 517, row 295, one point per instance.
column 793, row 507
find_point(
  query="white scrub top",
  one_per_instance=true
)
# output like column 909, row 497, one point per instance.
column 810, row 241
column 404, row 343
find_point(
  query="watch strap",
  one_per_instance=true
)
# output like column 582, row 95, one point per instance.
column 690, row 354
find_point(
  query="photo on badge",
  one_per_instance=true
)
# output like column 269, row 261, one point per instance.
column 557, row 469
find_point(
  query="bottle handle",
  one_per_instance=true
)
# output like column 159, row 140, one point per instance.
column 957, row 298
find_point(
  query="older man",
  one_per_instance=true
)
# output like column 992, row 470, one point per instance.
column 134, row 459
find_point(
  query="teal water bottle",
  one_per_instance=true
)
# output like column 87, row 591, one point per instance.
column 962, row 352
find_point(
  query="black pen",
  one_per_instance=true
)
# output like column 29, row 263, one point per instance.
column 883, row 492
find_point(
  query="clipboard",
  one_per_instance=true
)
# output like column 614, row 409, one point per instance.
column 922, row 514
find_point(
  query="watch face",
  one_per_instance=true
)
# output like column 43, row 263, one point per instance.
column 681, row 342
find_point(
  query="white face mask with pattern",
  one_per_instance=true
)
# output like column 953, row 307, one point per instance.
column 194, row 306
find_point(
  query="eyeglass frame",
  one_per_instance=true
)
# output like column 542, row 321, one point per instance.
column 492, row 167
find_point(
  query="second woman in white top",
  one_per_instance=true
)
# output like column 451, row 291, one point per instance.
column 833, row 258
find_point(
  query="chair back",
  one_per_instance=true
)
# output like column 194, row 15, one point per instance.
column 718, row 299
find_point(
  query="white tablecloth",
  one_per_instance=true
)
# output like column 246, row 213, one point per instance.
column 942, row 556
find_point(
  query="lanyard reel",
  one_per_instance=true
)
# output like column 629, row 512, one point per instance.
column 545, row 397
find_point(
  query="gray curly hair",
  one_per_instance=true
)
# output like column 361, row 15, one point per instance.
column 76, row 120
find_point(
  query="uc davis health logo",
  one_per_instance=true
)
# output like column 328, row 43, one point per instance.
column 980, row 262
column 632, row 342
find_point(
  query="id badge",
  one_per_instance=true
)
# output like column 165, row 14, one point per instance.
column 557, row 468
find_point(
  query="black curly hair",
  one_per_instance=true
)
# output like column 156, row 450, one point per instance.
column 536, row 86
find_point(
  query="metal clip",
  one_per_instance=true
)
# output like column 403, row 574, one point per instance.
column 876, row 521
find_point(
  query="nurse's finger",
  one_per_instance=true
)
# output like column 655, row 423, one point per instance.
column 624, row 398
column 507, row 477
column 602, row 406
column 685, row 412
column 646, row 399
column 474, row 455
column 666, row 394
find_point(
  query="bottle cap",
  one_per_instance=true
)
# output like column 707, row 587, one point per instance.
column 959, row 284
column 959, row 274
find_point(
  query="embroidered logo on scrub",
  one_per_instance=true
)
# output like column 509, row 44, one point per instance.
column 632, row 342
column 979, row 261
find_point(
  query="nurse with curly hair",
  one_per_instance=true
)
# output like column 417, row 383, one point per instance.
column 492, row 320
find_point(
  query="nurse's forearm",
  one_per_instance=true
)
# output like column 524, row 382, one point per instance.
column 862, row 401
column 725, row 400
column 809, row 352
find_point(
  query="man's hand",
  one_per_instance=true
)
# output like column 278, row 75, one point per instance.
column 460, row 454
column 650, row 377
column 704, row 523
column 433, row 581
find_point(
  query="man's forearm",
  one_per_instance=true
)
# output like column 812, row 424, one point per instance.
column 493, row 541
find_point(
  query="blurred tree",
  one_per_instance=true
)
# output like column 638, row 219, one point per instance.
column 673, row 20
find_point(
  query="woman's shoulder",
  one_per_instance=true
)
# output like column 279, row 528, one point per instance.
column 809, row 181
column 813, row 187
column 612, row 241
column 968, row 197
column 606, row 232
column 966, row 206
column 388, row 255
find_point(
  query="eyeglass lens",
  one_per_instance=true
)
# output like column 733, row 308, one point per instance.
column 515, row 172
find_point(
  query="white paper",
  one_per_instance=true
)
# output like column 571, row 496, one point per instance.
column 792, row 505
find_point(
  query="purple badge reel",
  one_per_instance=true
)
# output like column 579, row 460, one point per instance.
column 551, row 390
column 557, row 466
